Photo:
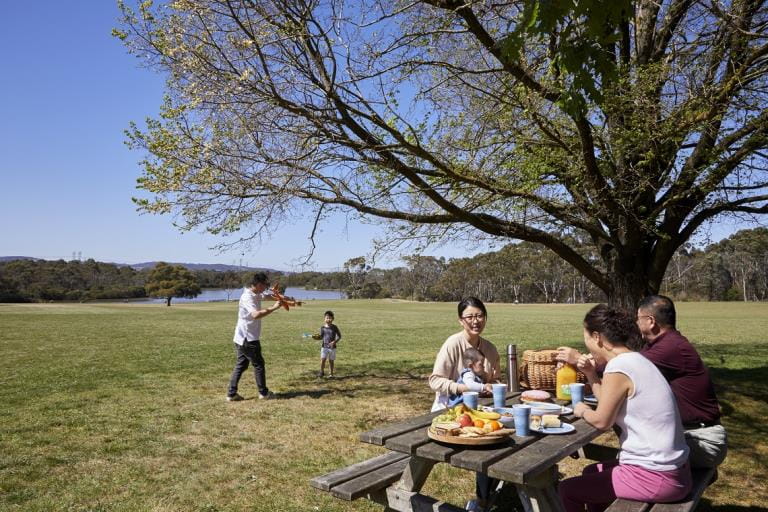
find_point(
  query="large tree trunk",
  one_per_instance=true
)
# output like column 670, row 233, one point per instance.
column 627, row 287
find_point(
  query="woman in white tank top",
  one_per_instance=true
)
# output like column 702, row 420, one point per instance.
column 634, row 396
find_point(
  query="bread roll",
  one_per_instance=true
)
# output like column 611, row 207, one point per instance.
column 551, row 421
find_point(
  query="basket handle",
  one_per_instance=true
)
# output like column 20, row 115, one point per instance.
column 524, row 375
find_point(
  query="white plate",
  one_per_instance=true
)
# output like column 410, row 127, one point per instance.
column 563, row 429
column 590, row 399
column 543, row 405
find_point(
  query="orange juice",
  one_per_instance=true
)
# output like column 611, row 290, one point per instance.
column 566, row 376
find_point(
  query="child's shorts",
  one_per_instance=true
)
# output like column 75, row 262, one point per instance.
column 328, row 353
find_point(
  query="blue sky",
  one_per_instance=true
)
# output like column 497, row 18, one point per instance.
column 68, row 91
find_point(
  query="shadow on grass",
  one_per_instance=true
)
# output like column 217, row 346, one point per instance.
column 315, row 393
column 373, row 375
column 748, row 382
column 705, row 506
column 379, row 378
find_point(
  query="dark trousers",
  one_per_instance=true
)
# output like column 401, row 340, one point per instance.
column 248, row 352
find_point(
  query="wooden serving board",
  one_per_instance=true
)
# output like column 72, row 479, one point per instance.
column 471, row 441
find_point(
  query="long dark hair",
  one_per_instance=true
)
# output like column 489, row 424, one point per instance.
column 617, row 325
column 475, row 303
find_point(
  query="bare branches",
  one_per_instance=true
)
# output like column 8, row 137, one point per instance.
column 412, row 112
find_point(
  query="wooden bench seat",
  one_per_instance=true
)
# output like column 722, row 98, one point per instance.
column 701, row 479
column 373, row 478
column 363, row 478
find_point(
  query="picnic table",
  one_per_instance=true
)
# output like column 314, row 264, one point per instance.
column 396, row 478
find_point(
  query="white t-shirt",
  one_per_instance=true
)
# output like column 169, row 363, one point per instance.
column 248, row 328
column 652, row 434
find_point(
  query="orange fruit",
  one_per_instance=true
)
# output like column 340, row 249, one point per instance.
column 479, row 423
column 495, row 425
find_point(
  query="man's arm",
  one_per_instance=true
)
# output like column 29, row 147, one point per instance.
column 260, row 313
column 567, row 355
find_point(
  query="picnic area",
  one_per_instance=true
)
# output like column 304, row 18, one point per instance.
column 121, row 407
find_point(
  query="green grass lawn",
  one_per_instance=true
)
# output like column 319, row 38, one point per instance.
column 121, row 407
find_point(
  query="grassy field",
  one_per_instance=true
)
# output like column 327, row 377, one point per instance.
column 120, row 407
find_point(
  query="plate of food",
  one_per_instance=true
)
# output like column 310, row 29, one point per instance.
column 550, row 424
column 565, row 428
column 454, row 433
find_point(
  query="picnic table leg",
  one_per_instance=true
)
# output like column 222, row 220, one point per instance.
column 399, row 496
column 540, row 493
column 415, row 474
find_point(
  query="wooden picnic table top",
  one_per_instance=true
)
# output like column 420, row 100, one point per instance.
column 518, row 460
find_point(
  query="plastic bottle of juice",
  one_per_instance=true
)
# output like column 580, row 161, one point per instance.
column 566, row 375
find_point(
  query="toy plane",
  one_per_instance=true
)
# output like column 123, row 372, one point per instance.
column 286, row 302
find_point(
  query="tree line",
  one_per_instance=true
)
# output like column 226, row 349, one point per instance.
column 42, row 281
column 733, row 269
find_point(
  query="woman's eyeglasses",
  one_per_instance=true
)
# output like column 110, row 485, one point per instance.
column 469, row 318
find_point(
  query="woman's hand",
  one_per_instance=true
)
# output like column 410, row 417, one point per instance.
column 487, row 388
column 586, row 364
column 579, row 409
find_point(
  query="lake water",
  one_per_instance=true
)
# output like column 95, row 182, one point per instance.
column 216, row 295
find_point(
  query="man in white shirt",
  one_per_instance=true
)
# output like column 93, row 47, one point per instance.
column 247, row 336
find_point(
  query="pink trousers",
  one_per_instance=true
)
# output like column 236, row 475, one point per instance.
column 600, row 484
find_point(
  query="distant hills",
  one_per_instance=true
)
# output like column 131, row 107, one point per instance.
column 216, row 267
column 12, row 258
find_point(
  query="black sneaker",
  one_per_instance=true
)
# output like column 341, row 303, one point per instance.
column 235, row 398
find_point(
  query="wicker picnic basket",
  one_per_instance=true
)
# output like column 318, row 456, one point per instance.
column 538, row 370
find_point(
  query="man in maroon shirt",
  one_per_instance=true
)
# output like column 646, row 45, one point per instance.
column 689, row 379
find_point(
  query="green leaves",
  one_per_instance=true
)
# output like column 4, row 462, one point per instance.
column 581, row 38
column 168, row 281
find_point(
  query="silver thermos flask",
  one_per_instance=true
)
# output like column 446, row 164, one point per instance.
column 513, row 383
